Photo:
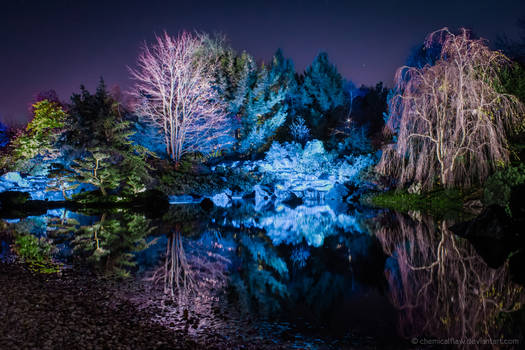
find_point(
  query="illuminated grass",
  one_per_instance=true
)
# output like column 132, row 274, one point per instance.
column 438, row 203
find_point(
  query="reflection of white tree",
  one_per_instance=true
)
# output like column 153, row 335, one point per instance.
column 178, row 274
column 190, row 276
column 441, row 286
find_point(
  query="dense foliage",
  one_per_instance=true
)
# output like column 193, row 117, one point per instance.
column 499, row 186
column 452, row 119
column 38, row 140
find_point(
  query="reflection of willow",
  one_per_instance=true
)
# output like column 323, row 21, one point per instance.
column 441, row 286
column 185, row 276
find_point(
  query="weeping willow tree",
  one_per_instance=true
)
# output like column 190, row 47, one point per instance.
column 451, row 119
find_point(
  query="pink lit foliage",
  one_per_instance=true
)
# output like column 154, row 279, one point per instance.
column 453, row 120
column 174, row 91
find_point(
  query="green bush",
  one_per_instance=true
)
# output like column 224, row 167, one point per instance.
column 36, row 253
column 440, row 203
column 499, row 185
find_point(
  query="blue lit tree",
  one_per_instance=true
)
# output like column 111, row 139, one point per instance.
column 322, row 92
column 4, row 137
column 263, row 113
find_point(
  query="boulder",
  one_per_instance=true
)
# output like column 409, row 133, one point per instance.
column 14, row 177
column 222, row 199
column 415, row 188
column 337, row 192
column 263, row 196
column 206, row 204
column 313, row 149
column 292, row 200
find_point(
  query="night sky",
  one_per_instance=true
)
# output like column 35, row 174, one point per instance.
column 62, row 44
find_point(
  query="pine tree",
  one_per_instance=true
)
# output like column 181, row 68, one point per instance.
column 98, row 128
column 264, row 112
column 96, row 170
column 322, row 92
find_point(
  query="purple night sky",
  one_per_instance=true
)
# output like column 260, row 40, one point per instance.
column 62, row 44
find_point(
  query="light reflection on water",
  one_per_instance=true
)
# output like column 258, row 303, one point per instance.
column 317, row 274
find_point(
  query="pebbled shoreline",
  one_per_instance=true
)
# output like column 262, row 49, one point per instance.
column 67, row 311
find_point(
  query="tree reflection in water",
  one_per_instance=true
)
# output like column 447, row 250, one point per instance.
column 111, row 243
column 440, row 285
column 191, row 275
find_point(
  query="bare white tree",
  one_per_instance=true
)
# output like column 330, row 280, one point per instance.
column 174, row 91
column 453, row 120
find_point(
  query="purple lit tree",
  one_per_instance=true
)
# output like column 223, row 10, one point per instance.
column 174, row 91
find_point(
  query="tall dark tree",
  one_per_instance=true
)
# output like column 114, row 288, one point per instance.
column 4, row 135
column 369, row 107
column 88, row 113
column 99, row 132
column 322, row 96
column 514, row 49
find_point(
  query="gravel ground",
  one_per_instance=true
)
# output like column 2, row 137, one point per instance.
column 78, row 310
column 75, row 311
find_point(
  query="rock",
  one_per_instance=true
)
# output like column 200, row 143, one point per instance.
column 324, row 176
column 322, row 185
column 202, row 169
column 474, row 206
column 282, row 192
column 206, row 204
column 55, row 212
column 15, row 178
column 313, row 148
column 37, row 195
column 292, row 200
column 249, row 166
column 263, row 196
column 222, row 199
column 337, row 192
column 6, row 186
column 56, row 195
column 415, row 188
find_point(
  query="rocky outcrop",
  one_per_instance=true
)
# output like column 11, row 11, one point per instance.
column 36, row 187
column 295, row 174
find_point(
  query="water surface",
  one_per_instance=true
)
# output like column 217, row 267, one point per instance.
column 316, row 275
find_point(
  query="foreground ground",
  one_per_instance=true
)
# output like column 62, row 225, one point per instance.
column 40, row 311
column 79, row 311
